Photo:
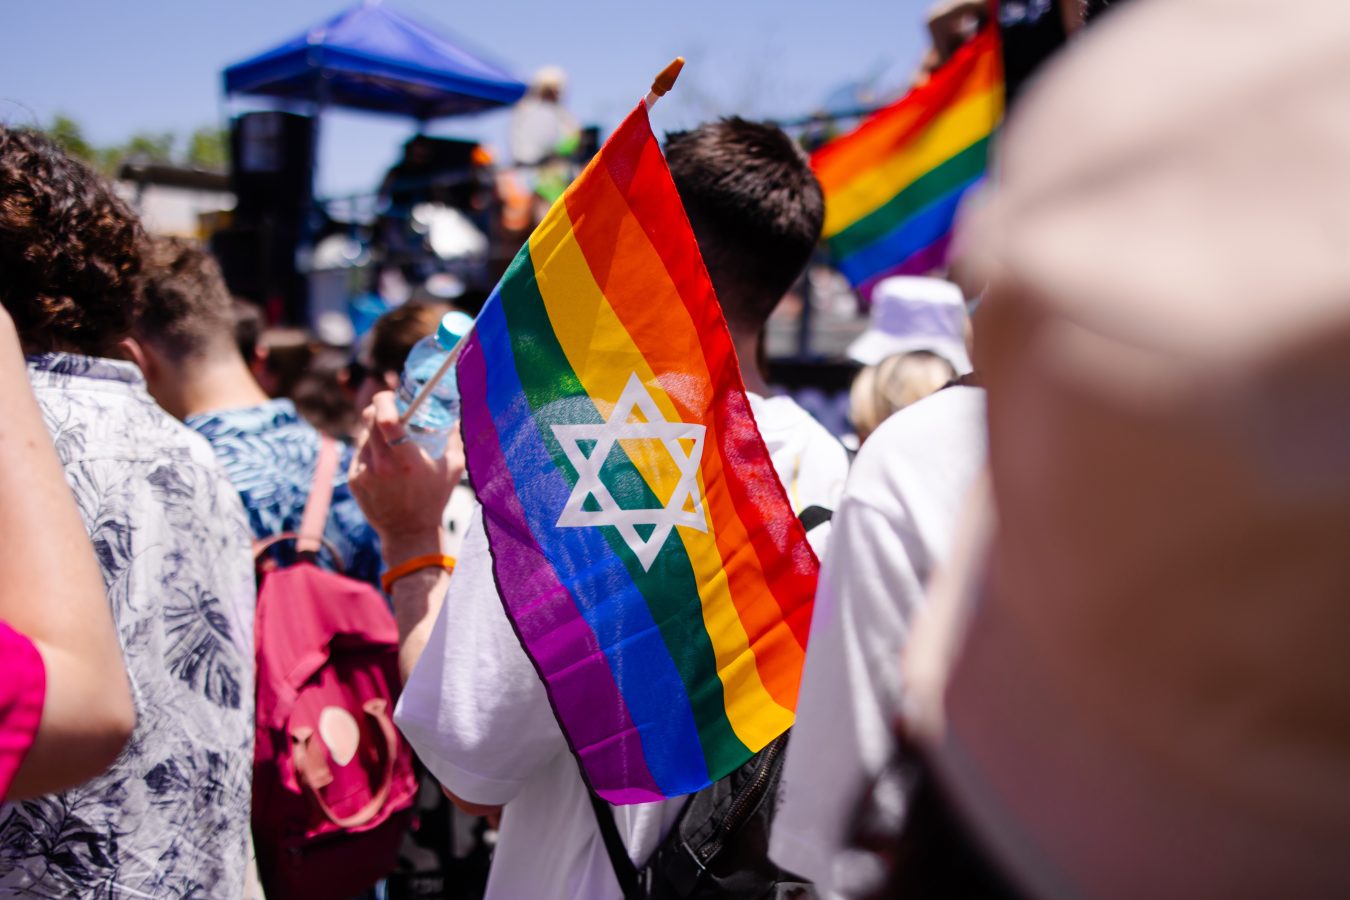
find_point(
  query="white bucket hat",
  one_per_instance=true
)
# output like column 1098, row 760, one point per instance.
column 911, row 313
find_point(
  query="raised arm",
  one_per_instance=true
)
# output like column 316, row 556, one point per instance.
column 403, row 493
column 51, row 591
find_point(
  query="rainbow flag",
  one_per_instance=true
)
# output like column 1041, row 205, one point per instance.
column 892, row 186
column 643, row 546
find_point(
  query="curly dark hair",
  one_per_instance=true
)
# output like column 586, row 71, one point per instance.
column 68, row 249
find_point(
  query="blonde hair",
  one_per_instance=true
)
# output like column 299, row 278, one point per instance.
column 891, row 385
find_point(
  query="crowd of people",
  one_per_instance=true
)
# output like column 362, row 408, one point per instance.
column 1077, row 631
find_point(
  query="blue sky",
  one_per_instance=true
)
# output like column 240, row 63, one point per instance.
column 153, row 65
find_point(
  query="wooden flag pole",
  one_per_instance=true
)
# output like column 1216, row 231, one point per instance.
column 661, row 86
column 664, row 81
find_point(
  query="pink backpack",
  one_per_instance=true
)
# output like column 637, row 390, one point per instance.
column 333, row 781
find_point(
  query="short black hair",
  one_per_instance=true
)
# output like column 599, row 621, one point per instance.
column 69, row 249
column 187, row 309
column 249, row 323
column 756, row 209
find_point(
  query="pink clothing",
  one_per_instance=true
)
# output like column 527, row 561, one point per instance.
column 22, row 689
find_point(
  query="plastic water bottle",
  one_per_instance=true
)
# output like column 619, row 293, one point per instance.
column 431, row 424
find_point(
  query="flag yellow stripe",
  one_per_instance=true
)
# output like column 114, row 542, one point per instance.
column 603, row 355
column 889, row 131
column 621, row 250
column 955, row 130
column 621, row 256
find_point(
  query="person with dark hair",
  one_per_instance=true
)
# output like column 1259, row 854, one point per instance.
column 390, row 341
column 282, row 358
column 321, row 395
column 170, row 817
column 249, row 324
column 474, row 706
column 69, row 272
column 185, row 343
column 756, row 210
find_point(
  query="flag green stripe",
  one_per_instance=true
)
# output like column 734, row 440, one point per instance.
column 556, row 395
column 931, row 186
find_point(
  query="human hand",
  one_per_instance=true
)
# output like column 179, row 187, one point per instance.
column 401, row 489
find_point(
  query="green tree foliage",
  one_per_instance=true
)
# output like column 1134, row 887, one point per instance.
column 209, row 148
column 67, row 132
column 155, row 147
column 205, row 148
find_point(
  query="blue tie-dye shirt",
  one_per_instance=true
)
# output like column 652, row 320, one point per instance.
column 270, row 452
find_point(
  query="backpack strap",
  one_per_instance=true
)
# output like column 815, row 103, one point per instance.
column 619, row 860
column 815, row 516
column 691, row 861
column 313, row 773
column 310, row 536
column 309, row 539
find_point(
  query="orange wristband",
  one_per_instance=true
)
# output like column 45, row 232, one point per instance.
column 416, row 564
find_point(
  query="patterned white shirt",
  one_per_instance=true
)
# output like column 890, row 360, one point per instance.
column 171, row 817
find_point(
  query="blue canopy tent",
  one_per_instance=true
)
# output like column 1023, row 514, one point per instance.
column 369, row 57
column 374, row 58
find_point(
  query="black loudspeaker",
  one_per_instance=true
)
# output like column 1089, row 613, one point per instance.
column 271, row 155
column 257, row 259
column 271, row 173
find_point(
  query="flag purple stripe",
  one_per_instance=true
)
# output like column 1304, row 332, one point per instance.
column 591, row 701
column 585, row 560
column 921, row 263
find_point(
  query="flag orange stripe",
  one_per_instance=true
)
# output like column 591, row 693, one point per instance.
column 780, row 545
column 974, row 71
column 619, row 252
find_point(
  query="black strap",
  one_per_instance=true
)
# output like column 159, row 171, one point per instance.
column 815, row 516
column 622, row 863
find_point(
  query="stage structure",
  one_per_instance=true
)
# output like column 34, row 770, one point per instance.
column 370, row 57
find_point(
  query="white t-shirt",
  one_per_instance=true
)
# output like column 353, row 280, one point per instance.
column 812, row 465
column 478, row 716
column 894, row 524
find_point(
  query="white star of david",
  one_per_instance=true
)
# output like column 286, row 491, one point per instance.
column 635, row 397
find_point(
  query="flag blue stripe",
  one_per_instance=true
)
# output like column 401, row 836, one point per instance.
column 589, row 568
column 907, row 238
